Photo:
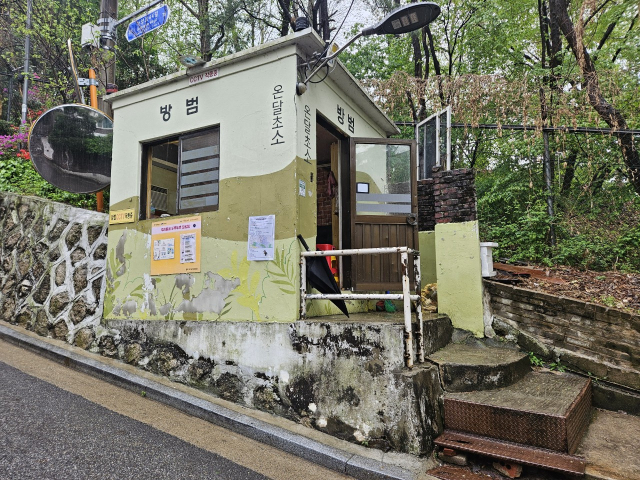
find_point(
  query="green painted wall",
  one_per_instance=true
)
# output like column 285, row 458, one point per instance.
column 459, row 275
column 427, row 247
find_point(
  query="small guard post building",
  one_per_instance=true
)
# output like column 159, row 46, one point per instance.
column 215, row 172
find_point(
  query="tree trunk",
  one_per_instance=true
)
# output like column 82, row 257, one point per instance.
column 569, row 172
column 603, row 108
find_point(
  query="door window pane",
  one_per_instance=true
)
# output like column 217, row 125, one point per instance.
column 384, row 171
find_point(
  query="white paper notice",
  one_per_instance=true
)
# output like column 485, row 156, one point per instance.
column 163, row 249
column 261, row 237
column 187, row 248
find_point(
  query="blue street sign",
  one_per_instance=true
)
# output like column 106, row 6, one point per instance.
column 149, row 21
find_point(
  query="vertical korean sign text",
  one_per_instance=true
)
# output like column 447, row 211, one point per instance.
column 176, row 246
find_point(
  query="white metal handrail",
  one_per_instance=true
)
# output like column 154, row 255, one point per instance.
column 406, row 295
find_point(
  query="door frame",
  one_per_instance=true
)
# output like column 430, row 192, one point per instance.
column 380, row 219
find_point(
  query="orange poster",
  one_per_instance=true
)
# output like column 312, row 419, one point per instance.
column 175, row 246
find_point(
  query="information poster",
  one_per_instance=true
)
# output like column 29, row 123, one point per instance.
column 262, row 231
column 176, row 246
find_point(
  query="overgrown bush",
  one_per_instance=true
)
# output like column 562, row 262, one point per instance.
column 599, row 232
column 18, row 175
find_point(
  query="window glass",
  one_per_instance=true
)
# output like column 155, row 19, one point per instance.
column 164, row 176
column 383, row 179
column 199, row 168
column 183, row 174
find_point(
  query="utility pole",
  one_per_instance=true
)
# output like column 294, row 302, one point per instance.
column 25, row 85
column 107, row 75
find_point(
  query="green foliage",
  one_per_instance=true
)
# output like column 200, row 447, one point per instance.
column 18, row 175
column 539, row 362
column 5, row 128
column 596, row 230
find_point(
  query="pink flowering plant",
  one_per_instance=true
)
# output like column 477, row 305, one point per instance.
column 18, row 175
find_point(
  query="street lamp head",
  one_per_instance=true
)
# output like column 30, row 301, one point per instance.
column 191, row 61
column 405, row 19
column 402, row 20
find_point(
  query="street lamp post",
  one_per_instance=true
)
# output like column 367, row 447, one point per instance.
column 402, row 20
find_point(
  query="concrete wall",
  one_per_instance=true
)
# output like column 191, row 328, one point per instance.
column 427, row 247
column 450, row 245
column 459, row 275
column 601, row 341
column 346, row 379
column 52, row 265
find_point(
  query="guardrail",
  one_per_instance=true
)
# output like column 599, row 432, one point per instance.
column 406, row 295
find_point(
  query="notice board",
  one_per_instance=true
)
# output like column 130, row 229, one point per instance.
column 175, row 246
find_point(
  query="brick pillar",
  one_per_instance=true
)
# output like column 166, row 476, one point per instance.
column 448, row 197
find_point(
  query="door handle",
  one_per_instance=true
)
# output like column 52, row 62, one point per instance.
column 412, row 219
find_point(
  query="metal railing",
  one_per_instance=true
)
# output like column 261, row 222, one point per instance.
column 406, row 295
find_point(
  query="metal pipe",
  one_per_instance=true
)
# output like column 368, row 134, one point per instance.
column 328, row 58
column 93, row 98
column 27, row 52
column 408, row 336
column 360, row 296
column 418, row 281
column 359, row 251
column 549, row 189
column 137, row 12
column 303, row 287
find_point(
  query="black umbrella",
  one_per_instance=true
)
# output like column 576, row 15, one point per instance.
column 320, row 277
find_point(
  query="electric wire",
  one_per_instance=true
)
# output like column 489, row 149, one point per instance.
column 328, row 45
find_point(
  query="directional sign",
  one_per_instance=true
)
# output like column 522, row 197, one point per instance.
column 149, row 21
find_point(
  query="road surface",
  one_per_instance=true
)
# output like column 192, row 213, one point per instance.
column 57, row 423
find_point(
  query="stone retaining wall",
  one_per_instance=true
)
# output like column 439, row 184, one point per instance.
column 52, row 265
column 596, row 340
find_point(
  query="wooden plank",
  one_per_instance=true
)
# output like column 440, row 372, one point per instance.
column 394, row 260
column 528, row 272
column 377, row 259
column 512, row 452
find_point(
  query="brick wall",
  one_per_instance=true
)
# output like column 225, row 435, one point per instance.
column 324, row 202
column 426, row 206
column 450, row 196
column 598, row 340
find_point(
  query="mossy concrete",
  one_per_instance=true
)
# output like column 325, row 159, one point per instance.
column 465, row 368
column 459, row 275
column 427, row 247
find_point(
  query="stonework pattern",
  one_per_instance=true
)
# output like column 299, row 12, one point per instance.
column 50, row 280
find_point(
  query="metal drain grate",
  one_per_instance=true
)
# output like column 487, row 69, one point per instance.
column 512, row 452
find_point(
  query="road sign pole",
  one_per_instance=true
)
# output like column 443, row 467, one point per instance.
column 27, row 51
column 107, row 75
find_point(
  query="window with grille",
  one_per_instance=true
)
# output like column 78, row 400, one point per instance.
column 181, row 175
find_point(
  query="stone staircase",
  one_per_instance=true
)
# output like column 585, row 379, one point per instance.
column 496, row 407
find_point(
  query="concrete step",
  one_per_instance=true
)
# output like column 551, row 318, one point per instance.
column 546, row 410
column 465, row 368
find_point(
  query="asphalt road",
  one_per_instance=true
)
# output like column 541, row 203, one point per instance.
column 68, row 425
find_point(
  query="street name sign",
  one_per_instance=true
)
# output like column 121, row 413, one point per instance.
column 148, row 22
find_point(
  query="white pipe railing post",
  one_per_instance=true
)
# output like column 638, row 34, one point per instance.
column 406, row 291
column 303, row 287
column 405, row 296
column 418, row 282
